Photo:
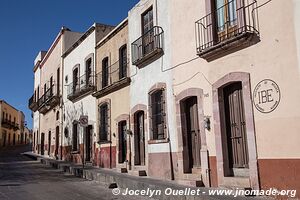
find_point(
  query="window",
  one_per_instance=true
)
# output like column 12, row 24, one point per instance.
column 226, row 16
column 51, row 86
column 57, row 115
column 157, row 115
column 103, row 128
column 105, row 72
column 75, row 80
column 75, row 137
column 123, row 62
column 147, row 31
column 147, row 20
column 88, row 72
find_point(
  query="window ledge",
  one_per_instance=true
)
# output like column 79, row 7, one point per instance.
column 166, row 140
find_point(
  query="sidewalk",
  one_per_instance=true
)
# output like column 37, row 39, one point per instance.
column 113, row 179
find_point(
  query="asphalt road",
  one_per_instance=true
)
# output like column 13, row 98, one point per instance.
column 24, row 179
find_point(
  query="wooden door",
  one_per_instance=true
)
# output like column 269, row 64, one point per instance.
column 191, row 135
column 122, row 142
column 140, row 139
column 42, row 144
column 56, row 141
column 88, row 143
column 49, row 143
column 235, row 126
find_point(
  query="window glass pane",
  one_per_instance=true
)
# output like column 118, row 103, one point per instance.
column 220, row 14
column 232, row 12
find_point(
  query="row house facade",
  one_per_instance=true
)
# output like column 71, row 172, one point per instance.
column 204, row 93
column 47, row 97
column 12, row 125
column 79, row 74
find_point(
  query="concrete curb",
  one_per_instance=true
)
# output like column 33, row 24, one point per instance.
column 112, row 179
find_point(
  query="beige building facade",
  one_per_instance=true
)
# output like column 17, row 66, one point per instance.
column 12, row 125
column 112, row 100
column 245, row 79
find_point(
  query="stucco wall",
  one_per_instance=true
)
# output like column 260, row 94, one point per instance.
column 272, row 58
column 144, row 78
column 85, row 105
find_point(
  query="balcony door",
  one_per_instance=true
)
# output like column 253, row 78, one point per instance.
column 147, row 32
column 88, row 72
column 105, row 72
column 226, row 18
column 75, row 80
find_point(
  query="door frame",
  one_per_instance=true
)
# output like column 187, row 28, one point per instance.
column 218, row 113
column 182, row 96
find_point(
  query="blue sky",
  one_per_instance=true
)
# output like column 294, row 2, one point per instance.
column 26, row 27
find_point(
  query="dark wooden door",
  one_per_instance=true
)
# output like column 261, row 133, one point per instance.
column 122, row 142
column 235, row 126
column 191, row 135
column 14, row 139
column 42, row 144
column 88, row 143
column 49, row 143
column 140, row 139
column 56, row 141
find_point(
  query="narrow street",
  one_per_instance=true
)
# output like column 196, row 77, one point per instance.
column 24, row 179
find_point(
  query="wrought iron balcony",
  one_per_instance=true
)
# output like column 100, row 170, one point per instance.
column 49, row 99
column 9, row 124
column 148, row 47
column 231, row 27
column 6, row 123
column 32, row 104
column 82, row 86
column 113, row 78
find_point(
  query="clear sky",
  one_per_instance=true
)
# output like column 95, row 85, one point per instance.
column 28, row 26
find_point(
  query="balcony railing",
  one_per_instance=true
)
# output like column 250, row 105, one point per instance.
column 82, row 86
column 49, row 99
column 32, row 104
column 9, row 124
column 226, row 27
column 113, row 78
column 150, row 45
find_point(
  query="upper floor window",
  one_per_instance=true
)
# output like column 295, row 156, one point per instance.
column 123, row 62
column 88, row 71
column 75, row 79
column 157, row 114
column 105, row 72
column 103, row 123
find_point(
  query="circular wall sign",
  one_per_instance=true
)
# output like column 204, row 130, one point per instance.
column 266, row 96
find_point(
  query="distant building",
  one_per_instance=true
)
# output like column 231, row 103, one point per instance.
column 11, row 126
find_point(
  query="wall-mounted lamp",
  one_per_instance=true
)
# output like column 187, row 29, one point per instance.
column 207, row 123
